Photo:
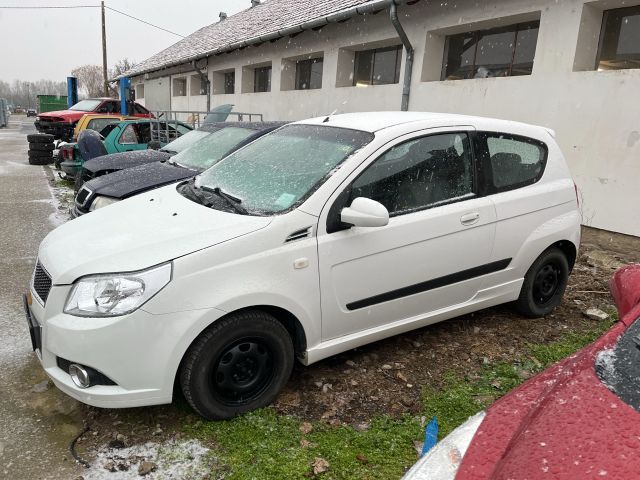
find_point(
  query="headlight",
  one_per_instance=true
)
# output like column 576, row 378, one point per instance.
column 116, row 294
column 100, row 202
column 38, row 119
column 443, row 460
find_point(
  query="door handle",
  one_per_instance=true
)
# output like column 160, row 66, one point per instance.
column 469, row 218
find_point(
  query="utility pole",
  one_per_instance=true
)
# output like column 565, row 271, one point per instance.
column 104, row 53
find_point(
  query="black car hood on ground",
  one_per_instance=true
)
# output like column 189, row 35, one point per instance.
column 122, row 160
column 125, row 183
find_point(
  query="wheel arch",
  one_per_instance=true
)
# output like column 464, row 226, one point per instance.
column 284, row 316
column 569, row 249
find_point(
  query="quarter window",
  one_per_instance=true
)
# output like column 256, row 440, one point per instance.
column 498, row 52
column 418, row 174
column 129, row 135
column 620, row 39
column 262, row 79
column 377, row 67
column 515, row 161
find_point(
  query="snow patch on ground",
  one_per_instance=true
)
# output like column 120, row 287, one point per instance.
column 172, row 460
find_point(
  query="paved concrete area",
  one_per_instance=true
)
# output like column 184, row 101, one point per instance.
column 37, row 422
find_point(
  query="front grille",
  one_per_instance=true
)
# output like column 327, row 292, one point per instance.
column 41, row 282
column 82, row 196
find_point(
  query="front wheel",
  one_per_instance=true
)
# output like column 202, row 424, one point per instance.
column 544, row 284
column 238, row 364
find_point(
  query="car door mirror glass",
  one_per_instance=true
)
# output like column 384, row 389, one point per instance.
column 365, row 212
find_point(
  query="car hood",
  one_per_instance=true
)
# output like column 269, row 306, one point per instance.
column 129, row 182
column 122, row 160
column 66, row 115
column 144, row 231
column 562, row 424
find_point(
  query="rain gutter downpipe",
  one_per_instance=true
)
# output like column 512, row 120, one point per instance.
column 408, row 67
column 204, row 77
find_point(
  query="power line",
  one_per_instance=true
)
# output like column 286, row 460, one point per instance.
column 9, row 7
column 143, row 21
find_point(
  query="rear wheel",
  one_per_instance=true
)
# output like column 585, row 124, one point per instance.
column 544, row 284
column 238, row 364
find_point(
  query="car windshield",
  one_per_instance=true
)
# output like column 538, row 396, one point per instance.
column 212, row 148
column 619, row 367
column 278, row 170
column 185, row 141
column 86, row 105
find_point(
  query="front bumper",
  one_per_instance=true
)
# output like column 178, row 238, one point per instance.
column 139, row 352
column 60, row 130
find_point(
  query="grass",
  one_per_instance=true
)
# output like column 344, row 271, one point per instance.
column 266, row 445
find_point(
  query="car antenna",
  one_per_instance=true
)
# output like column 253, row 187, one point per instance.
column 329, row 116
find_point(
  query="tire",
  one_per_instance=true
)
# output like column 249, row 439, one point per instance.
column 41, row 147
column 544, row 284
column 40, row 138
column 251, row 345
column 40, row 160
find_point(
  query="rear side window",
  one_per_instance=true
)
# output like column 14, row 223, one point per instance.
column 513, row 161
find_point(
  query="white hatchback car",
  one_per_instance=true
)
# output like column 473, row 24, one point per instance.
column 322, row 236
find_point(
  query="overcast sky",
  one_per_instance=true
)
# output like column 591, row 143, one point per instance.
column 48, row 44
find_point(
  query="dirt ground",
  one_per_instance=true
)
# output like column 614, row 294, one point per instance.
column 387, row 377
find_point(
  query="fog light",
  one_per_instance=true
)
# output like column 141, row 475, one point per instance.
column 79, row 375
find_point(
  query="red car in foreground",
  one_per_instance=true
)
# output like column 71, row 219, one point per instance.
column 579, row 419
column 61, row 123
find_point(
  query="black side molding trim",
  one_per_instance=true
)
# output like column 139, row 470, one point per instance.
column 431, row 284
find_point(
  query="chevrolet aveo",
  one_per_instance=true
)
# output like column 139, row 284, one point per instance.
column 321, row 236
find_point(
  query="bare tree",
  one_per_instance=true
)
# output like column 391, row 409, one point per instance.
column 25, row 93
column 89, row 79
column 120, row 67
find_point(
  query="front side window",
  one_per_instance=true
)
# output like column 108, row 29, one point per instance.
column 377, row 67
column 129, row 135
column 419, row 174
column 498, row 52
column 309, row 74
column 230, row 82
column 262, row 79
column 620, row 39
column 109, row 107
column 281, row 169
column 514, row 161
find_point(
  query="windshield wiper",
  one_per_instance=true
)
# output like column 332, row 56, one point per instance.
column 233, row 202
column 172, row 152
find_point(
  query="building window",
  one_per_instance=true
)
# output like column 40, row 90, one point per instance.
column 620, row 39
column 140, row 91
column 198, row 85
column 179, row 87
column 309, row 74
column 498, row 52
column 380, row 66
column 262, row 79
column 230, row 82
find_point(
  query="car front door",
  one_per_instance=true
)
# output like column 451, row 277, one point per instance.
column 433, row 252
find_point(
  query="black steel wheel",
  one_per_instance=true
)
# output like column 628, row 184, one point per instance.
column 238, row 364
column 544, row 284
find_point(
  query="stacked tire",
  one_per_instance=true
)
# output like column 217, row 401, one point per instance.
column 40, row 148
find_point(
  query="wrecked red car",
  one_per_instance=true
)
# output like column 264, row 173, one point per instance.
column 578, row 419
column 61, row 123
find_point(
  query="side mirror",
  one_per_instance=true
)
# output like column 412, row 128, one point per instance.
column 365, row 212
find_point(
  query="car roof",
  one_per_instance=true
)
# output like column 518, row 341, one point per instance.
column 375, row 121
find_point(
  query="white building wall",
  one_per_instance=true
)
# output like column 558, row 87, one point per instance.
column 596, row 115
